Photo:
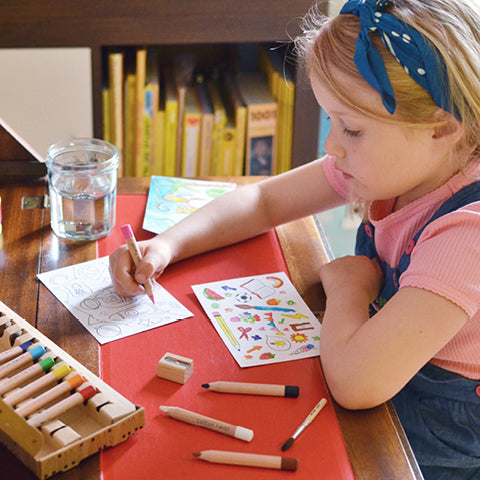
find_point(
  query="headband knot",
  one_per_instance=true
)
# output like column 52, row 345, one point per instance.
column 418, row 57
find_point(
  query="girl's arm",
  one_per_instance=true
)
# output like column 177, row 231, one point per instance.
column 240, row 214
column 367, row 361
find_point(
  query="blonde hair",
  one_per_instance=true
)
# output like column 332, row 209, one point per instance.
column 328, row 45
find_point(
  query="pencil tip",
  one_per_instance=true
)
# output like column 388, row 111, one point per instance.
column 163, row 408
column 287, row 444
column 196, row 454
column 152, row 298
column 205, row 385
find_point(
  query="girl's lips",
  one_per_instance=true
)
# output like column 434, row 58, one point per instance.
column 346, row 176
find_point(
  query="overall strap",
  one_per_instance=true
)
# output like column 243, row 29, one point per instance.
column 465, row 196
column 366, row 243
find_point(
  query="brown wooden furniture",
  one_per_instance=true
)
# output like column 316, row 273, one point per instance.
column 68, row 23
column 375, row 441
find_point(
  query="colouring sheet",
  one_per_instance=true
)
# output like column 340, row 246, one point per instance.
column 172, row 199
column 261, row 319
column 87, row 292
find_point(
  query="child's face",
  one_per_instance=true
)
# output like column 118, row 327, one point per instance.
column 381, row 160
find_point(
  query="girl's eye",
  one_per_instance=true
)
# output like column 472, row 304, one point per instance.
column 351, row 133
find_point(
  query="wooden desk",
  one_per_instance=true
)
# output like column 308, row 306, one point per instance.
column 375, row 441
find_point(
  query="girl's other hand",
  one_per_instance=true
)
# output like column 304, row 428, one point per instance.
column 352, row 273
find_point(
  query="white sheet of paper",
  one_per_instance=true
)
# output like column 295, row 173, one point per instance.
column 261, row 319
column 87, row 292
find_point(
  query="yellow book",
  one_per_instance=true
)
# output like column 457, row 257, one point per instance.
column 141, row 67
column 261, row 123
column 106, row 113
column 219, row 122
column 159, row 134
column 289, row 97
column 282, row 87
column 150, row 108
column 206, row 129
column 171, row 126
column 115, row 79
column 240, row 122
column 191, row 134
column 227, row 157
column 130, row 106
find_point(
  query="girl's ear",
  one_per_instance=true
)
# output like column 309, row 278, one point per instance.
column 450, row 129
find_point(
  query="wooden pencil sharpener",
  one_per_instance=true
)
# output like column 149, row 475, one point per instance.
column 175, row 368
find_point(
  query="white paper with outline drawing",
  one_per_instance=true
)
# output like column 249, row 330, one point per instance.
column 87, row 291
column 261, row 319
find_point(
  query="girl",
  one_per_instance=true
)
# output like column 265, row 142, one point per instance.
column 400, row 80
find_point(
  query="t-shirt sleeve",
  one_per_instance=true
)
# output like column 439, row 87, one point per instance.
column 446, row 259
column 335, row 177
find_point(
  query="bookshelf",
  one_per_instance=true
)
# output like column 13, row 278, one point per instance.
column 96, row 25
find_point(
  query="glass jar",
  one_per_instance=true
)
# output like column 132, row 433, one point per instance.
column 82, row 180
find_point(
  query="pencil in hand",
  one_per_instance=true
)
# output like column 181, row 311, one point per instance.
column 136, row 256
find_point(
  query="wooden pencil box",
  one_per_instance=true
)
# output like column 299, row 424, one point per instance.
column 60, row 444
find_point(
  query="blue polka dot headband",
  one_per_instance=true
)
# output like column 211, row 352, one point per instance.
column 416, row 54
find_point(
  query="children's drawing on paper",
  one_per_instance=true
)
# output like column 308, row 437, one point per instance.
column 261, row 319
column 172, row 199
column 87, row 292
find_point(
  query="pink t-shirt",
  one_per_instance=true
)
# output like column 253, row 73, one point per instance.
column 445, row 260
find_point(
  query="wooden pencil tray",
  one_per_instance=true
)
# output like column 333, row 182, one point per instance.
column 107, row 419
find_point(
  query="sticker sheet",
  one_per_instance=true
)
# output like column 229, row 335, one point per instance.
column 87, row 292
column 171, row 199
column 261, row 319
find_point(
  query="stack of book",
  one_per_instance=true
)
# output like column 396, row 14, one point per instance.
column 172, row 121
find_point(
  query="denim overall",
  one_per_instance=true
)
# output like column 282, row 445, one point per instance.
column 439, row 410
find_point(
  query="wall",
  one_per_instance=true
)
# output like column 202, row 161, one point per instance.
column 46, row 94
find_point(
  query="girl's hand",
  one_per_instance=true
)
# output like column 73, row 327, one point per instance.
column 128, row 278
column 346, row 275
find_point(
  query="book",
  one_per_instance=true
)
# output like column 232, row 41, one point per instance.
column 130, row 108
column 116, row 102
column 233, row 97
column 159, row 133
column 219, row 122
column 273, row 62
column 260, row 142
column 106, row 111
column 191, row 134
column 150, row 108
column 183, row 67
column 171, row 124
column 141, row 67
column 206, row 128
column 227, row 156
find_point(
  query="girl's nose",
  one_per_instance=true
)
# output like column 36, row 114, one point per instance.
column 332, row 146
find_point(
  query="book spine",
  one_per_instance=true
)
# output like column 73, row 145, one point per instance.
column 115, row 75
column 140, row 106
column 261, row 138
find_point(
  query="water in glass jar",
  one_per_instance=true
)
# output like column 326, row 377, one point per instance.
column 82, row 216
